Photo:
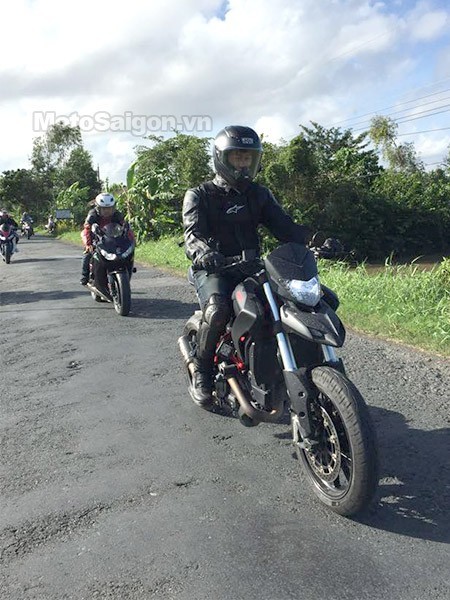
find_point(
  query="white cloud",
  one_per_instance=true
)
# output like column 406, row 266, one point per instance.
column 270, row 65
column 426, row 24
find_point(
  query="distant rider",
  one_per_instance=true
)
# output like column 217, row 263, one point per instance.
column 26, row 219
column 6, row 219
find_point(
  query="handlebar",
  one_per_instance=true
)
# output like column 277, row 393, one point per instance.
column 330, row 248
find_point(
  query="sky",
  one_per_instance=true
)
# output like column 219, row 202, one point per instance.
column 124, row 70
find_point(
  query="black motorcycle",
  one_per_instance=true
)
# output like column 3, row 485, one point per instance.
column 111, row 267
column 7, row 237
column 277, row 352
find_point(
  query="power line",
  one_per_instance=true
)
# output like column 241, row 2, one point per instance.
column 377, row 111
column 416, row 116
column 406, row 109
column 424, row 131
column 407, row 120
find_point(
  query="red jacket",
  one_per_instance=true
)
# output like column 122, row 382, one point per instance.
column 94, row 217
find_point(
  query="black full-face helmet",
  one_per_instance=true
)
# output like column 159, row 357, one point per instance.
column 237, row 137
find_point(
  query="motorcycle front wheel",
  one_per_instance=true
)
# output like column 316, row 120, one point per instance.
column 343, row 465
column 122, row 294
column 7, row 253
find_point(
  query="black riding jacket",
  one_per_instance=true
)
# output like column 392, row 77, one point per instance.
column 217, row 217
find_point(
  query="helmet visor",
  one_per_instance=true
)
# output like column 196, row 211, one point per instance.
column 243, row 163
column 106, row 211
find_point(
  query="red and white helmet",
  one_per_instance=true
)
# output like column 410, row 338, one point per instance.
column 105, row 200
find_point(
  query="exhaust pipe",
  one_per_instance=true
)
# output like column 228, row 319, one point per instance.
column 256, row 415
column 183, row 344
column 98, row 292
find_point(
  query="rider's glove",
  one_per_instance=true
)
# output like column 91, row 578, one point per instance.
column 211, row 261
column 331, row 248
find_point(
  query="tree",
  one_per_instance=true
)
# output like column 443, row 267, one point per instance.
column 59, row 161
column 158, row 179
column 78, row 169
column 317, row 173
column 75, row 199
column 20, row 191
column 400, row 157
column 53, row 149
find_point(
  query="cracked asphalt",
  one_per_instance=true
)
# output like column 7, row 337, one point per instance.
column 114, row 485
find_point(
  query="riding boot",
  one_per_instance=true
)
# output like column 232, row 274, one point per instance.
column 201, row 384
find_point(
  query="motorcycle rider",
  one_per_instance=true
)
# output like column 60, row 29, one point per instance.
column 26, row 218
column 5, row 218
column 220, row 219
column 104, row 212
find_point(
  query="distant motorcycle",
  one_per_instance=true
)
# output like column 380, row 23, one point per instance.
column 111, row 267
column 27, row 229
column 7, row 236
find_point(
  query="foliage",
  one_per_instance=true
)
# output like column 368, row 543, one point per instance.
column 328, row 179
column 78, row 169
column 20, row 191
column 52, row 150
column 58, row 162
column 75, row 199
column 401, row 157
column 157, row 181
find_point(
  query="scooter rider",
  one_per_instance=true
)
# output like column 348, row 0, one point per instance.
column 104, row 212
column 220, row 219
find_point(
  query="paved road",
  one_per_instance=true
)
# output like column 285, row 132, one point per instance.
column 115, row 486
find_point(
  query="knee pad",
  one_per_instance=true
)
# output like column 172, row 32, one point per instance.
column 217, row 311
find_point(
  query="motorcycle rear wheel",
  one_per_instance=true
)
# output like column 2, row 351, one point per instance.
column 190, row 330
column 122, row 295
column 343, row 466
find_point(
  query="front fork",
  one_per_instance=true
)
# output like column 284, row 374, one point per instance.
column 299, row 386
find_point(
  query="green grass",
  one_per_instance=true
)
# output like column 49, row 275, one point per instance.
column 164, row 253
column 401, row 303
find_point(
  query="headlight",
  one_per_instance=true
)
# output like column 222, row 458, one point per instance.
column 108, row 255
column 128, row 251
column 306, row 292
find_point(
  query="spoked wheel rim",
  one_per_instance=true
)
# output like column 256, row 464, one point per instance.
column 329, row 463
